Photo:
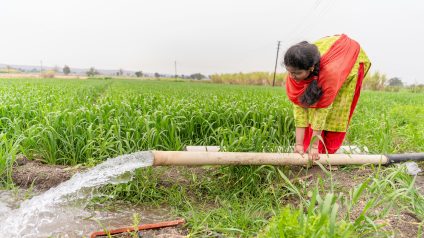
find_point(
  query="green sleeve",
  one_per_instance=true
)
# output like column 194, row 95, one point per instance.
column 300, row 116
column 319, row 117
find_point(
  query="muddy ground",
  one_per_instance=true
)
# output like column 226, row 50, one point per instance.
column 37, row 175
column 41, row 177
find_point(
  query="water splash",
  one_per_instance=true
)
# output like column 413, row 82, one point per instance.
column 37, row 217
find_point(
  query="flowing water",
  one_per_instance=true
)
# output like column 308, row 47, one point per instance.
column 61, row 209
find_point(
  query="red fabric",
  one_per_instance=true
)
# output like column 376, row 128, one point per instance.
column 333, row 140
column 335, row 66
column 361, row 76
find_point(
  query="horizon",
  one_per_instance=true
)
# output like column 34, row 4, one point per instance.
column 205, row 37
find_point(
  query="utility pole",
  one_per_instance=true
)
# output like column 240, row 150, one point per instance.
column 175, row 65
column 276, row 61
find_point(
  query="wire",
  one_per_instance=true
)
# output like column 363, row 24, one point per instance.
column 309, row 21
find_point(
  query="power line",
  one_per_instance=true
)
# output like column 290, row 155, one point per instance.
column 306, row 22
column 318, row 11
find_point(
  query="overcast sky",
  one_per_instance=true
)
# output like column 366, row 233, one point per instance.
column 207, row 36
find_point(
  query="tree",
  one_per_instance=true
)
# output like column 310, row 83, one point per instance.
column 91, row 72
column 139, row 74
column 121, row 72
column 66, row 70
column 395, row 82
column 157, row 75
column 197, row 76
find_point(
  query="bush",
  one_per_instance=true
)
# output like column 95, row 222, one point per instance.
column 48, row 74
column 392, row 88
column 416, row 88
column 139, row 74
column 92, row 72
column 254, row 78
column 376, row 81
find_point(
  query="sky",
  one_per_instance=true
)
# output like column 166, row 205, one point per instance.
column 206, row 36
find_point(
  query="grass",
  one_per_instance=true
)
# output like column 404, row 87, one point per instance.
column 388, row 122
column 334, row 216
column 72, row 122
column 86, row 121
column 239, row 201
column 242, row 208
column 8, row 151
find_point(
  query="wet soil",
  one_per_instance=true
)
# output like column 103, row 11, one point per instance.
column 168, row 232
column 40, row 176
column 113, row 217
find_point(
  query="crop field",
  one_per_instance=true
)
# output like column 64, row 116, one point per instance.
column 83, row 122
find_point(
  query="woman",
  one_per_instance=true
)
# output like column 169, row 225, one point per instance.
column 324, row 83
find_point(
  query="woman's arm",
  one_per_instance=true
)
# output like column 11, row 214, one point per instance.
column 313, row 153
column 300, row 135
column 313, row 150
column 301, row 122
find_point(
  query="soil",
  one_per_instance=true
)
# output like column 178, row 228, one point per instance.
column 35, row 174
column 419, row 184
column 168, row 232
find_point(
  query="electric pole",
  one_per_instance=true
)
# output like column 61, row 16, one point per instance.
column 175, row 65
column 276, row 61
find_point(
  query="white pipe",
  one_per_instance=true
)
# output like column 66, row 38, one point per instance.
column 181, row 158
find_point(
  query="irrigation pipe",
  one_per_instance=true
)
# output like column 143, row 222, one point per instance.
column 193, row 158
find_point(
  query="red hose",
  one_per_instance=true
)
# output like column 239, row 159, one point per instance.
column 140, row 227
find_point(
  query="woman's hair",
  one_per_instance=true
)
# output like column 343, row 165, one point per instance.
column 304, row 56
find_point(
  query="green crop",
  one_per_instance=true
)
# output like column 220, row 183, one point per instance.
column 74, row 122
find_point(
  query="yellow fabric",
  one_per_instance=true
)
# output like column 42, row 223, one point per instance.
column 336, row 116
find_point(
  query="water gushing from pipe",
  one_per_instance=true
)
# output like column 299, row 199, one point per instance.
column 37, row 217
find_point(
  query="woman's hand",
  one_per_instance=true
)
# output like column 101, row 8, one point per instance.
column 313, row 153
column 298, row 148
